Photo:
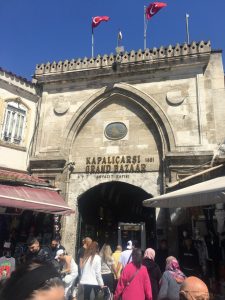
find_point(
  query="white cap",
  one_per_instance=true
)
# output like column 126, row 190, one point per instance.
column 129, row 245
column 7, row 245
column 58, row 253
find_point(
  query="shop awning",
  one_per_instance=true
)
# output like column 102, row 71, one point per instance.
column 36, row 199
column 20, row 178
column 204, row 193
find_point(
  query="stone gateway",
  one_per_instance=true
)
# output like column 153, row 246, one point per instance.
column 110, row 138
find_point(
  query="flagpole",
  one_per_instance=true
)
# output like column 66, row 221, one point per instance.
column 92, row 43
column 145, row 28
column 187, row 28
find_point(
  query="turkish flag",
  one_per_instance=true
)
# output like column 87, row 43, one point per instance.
column 97, row 20
column 153, row 8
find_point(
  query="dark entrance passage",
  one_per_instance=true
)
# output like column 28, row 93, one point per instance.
column 104, row 206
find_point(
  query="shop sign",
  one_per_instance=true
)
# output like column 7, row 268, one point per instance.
column 117, row 164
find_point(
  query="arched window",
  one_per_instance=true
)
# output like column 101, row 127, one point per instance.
column 14, row 123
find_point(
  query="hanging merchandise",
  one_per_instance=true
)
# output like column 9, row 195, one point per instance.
column 7, row 262
column 57, row 227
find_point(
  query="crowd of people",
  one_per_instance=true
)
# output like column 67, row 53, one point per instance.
column 48, row 267
column 50, row 273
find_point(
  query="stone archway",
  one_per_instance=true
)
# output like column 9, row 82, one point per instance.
column 139, row 98
column 104, row 206
column 149, row 137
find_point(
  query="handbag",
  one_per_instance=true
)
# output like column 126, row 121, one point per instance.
column 100, row 295
column 128, row 283
column 104, row 294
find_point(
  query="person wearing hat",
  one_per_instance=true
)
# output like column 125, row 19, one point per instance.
column 126, row 255
column 69, row 271
column 194, row 288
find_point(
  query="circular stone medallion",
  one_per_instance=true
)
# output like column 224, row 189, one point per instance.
column 61, row 108
column 116, row 131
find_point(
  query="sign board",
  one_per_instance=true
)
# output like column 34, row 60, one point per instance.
column 119, row 164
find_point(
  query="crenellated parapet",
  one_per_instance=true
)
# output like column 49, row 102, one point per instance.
column 148, row 55
column 18, row 85
column 15, row 78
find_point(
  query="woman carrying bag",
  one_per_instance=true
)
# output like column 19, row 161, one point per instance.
column 134, row 283
column 91, row 277
column 107, row 269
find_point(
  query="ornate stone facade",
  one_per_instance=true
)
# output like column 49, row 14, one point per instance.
column 171, row 101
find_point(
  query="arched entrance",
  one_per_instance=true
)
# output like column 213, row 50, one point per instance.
column 103, row 207
column 127, row 167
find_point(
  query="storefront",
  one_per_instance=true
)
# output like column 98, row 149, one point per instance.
column 200, row 217
column 29, row 207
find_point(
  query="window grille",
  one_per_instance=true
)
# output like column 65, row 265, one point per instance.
column 14, row 123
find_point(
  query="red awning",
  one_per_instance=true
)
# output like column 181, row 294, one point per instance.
column 36, row 199
column 19, row 177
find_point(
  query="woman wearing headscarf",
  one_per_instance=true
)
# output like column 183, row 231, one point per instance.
column 153, row 271
column 171, row 280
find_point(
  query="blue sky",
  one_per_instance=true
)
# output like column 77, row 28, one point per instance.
column 46, row 30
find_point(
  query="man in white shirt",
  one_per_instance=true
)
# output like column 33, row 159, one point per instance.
column 125, row 256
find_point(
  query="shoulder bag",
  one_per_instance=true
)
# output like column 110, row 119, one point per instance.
column 128, row 283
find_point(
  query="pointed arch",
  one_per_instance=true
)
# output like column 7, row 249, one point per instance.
column 17, row 100
column 139, row 98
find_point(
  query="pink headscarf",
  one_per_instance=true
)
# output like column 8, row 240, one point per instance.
column 149, row 253
column 173, row 267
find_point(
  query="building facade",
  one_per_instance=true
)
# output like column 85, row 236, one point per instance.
column 18, row 104
column 115, row 130
column 27, row 204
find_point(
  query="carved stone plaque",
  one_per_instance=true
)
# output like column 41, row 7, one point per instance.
column 115, row 131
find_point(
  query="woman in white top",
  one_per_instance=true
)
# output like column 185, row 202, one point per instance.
column 70, row 270
column 91, row 277
column 108, row 268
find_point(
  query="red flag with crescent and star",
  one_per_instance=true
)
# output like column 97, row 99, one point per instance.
column 153, row 8
column 97, row 20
